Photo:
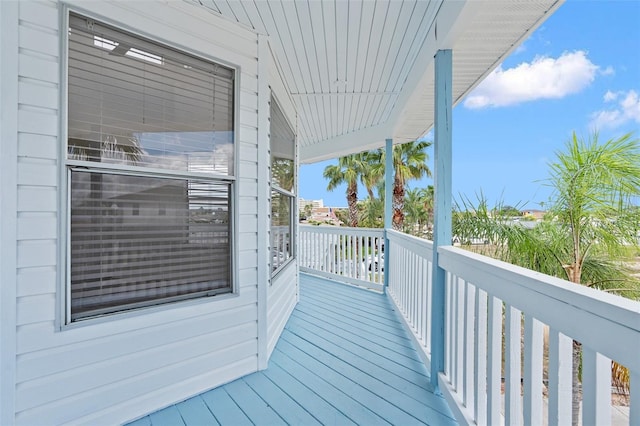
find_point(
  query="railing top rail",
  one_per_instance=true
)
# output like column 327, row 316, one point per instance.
column 343, row 230
column 415, row 244
column 556, row 302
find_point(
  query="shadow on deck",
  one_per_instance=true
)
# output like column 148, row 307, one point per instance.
column 343, row 358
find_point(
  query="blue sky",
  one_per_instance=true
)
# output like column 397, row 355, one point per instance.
column 579, row 71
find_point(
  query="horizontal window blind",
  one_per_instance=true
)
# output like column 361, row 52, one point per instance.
column 283, row 149
column 138, row 241
column 136, row 102
column 141, row 236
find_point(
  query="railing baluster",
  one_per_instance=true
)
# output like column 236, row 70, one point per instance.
column 413, row 286
column 325, row 252
column 429, row 308
column 559, row 374
column 354, row 256
column 337, row 238
column 459, row 320
column 634, row 405
column 453, row 316
column 447, row 330
column 469, row 324
column 532, row 371
column 480, row 358
column 314, row 245
column 357, row 261
column 321, row 253
column 380, row 260
column 596, row 388
column 401, row 279
column 343, row 255
column 494, row 360
column 513, row 326
column 424, row 301
column 361, row 257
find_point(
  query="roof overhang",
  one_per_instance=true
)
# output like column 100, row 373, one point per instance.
column 361, row 71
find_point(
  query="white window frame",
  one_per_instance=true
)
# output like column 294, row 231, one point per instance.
column 63, row 309
column 290, row 194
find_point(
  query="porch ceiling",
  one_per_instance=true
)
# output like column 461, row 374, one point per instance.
column 360, row 71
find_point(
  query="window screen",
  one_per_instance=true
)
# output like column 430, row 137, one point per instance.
column 150, row 163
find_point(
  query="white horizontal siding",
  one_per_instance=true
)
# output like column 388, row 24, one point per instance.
column 118, row 369
column 232, row 362
column 282, row 299
column 105, row 401
column 37, row 146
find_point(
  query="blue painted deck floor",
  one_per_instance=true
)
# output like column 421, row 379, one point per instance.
column 344, row 358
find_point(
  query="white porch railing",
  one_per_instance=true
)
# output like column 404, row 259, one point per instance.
column 410, row 287
column 488, row 301
column 280, row 246
column 508, row 330
column 352, row 255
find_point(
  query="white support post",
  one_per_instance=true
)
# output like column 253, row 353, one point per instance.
column 264, row 193
column 388, row 211
column 442, row 194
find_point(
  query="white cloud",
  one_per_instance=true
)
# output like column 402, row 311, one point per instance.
column 608, row 71
column 543, row 78
column 610, row 96
column 520, row 49
column 626, row 110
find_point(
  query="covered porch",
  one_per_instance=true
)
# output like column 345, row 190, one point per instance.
column 344, row 357
column 359, row 346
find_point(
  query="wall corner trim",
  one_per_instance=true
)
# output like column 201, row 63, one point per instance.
column 9, row 11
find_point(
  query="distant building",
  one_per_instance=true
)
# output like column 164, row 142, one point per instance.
column 536, row 214
column 314, row 203
column 323, row 215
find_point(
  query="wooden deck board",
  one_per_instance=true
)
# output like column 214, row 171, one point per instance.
column 252, row 404
column 386, row 339
column 409, row 382
column 356, row 343
column 169, row 416
column 281, row 402
column 194, row 411
column 224, row 408
column 343, row 407
column 343, row 358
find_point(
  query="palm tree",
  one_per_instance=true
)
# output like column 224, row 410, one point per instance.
column 409, row 162
column 371, row 213
column 414, row 211
column 373, row 172
column 348, row 170
column 593, row 221
column 427, row 196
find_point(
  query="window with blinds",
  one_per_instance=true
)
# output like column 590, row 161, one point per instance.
column 150, row 158
column 283, row 149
